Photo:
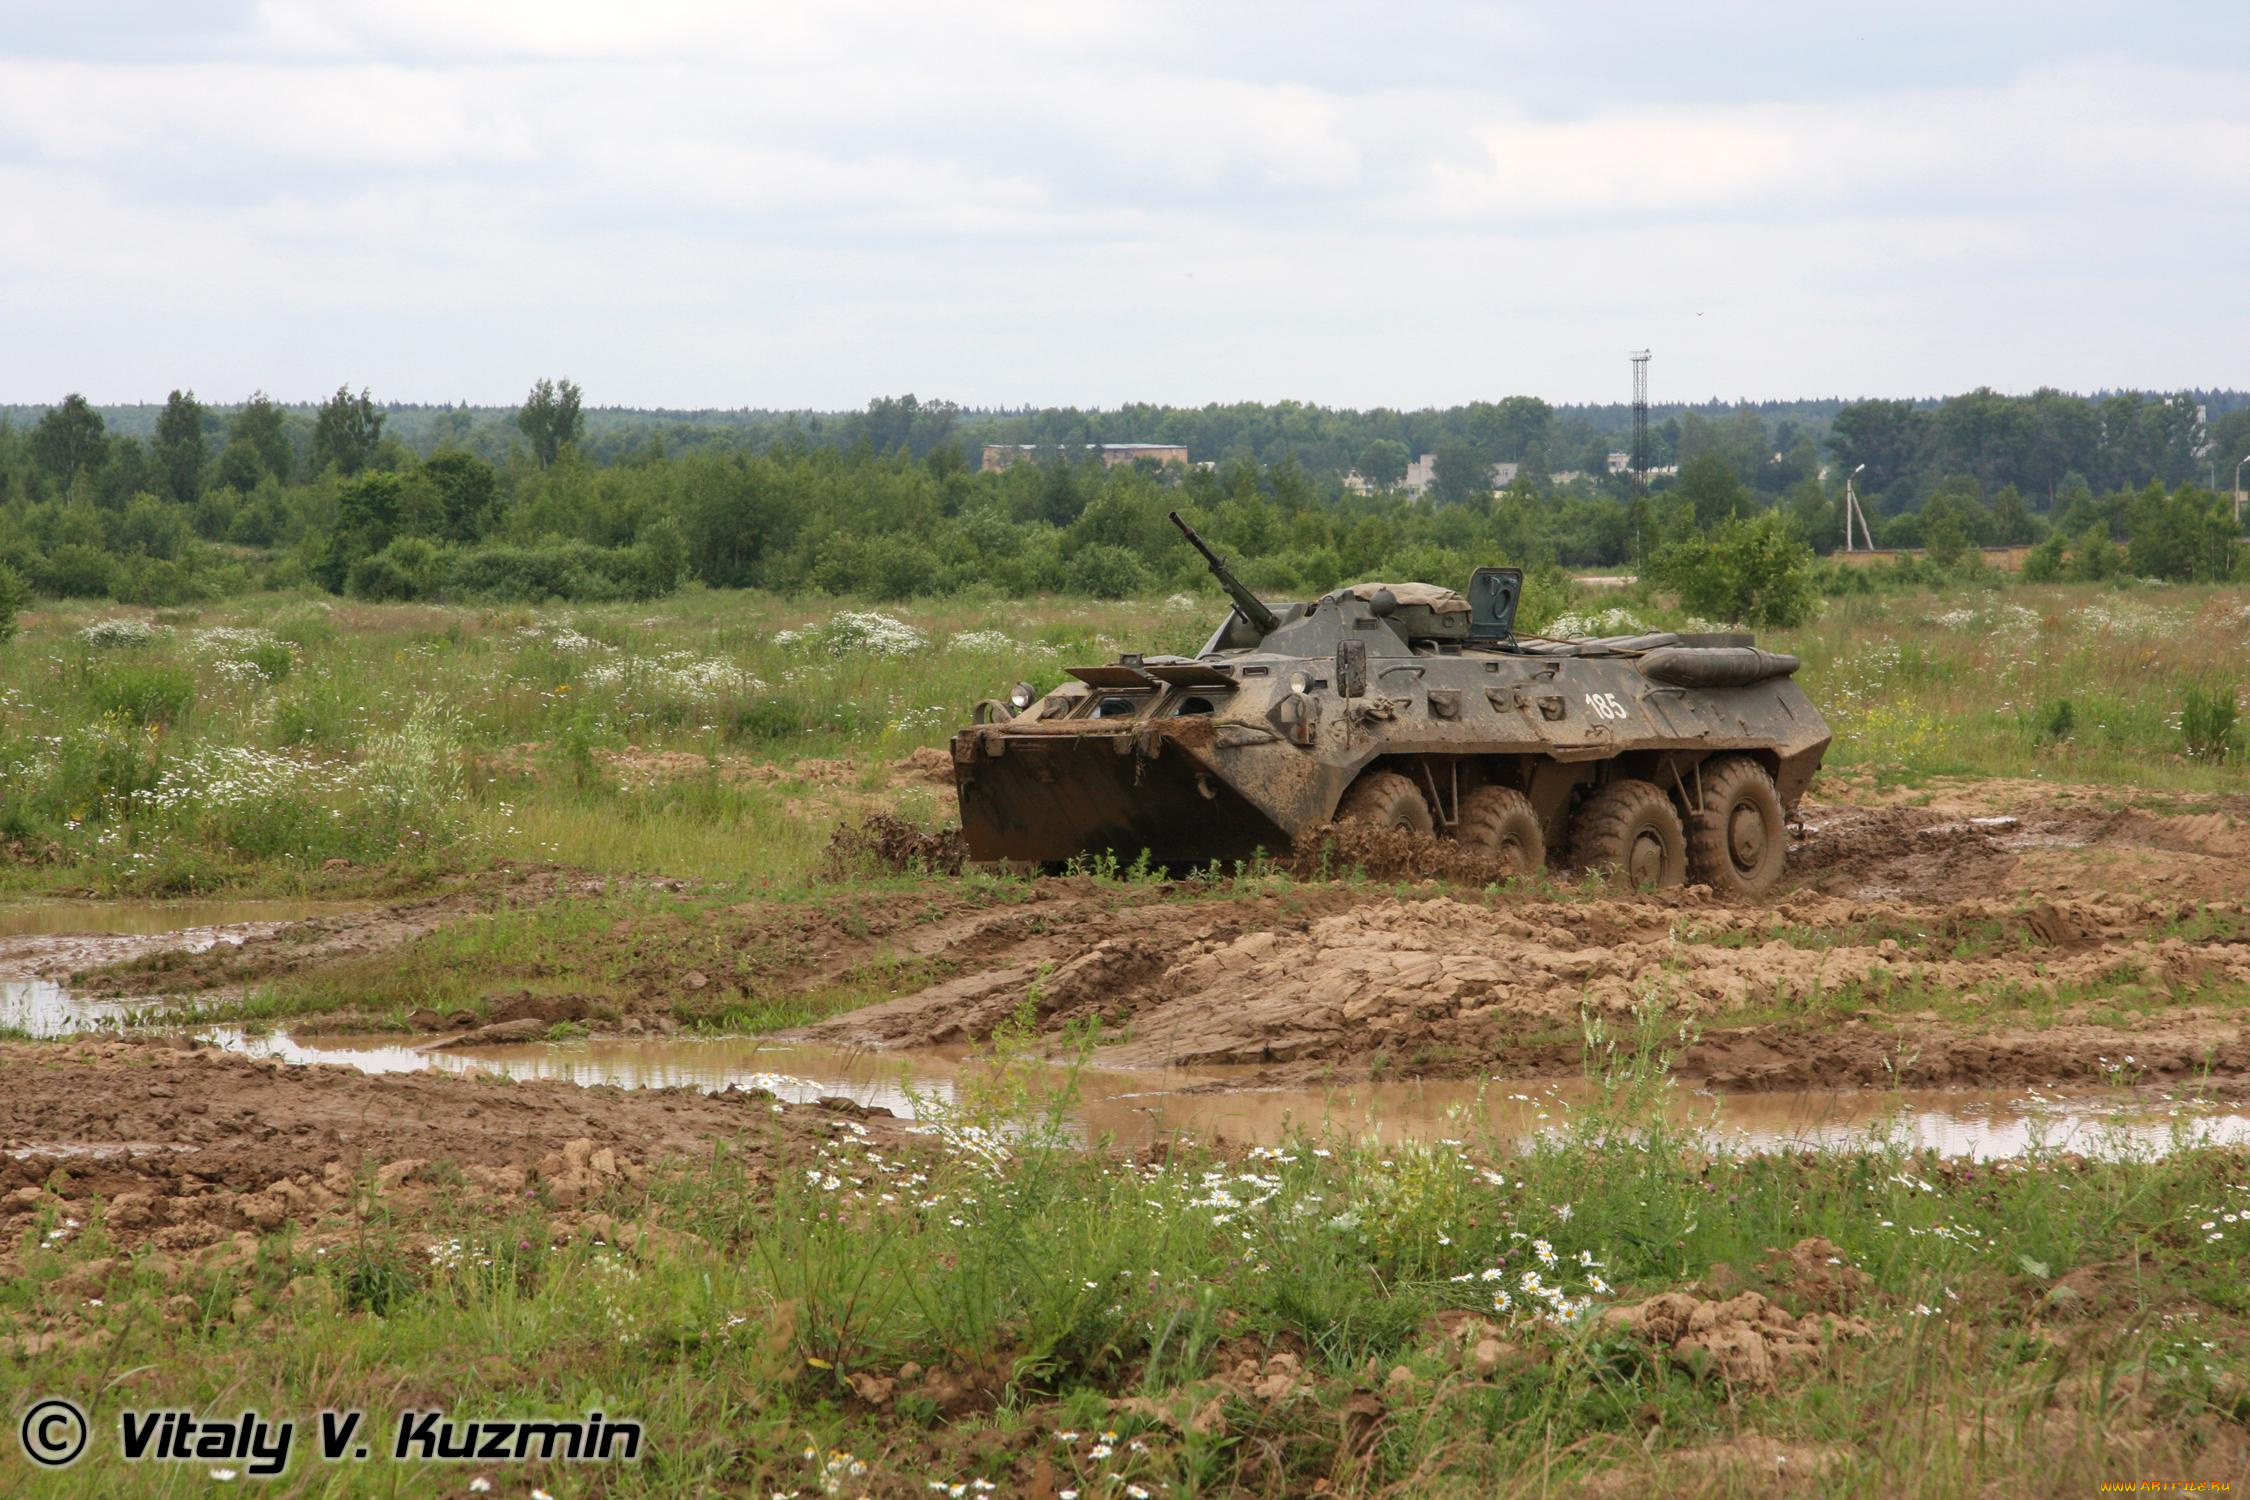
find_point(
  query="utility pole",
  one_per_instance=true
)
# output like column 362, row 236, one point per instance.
column 1640, row 418
column 2239, row 496
column 1851, row 509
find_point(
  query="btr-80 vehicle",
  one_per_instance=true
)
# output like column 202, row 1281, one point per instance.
column 1661, row 757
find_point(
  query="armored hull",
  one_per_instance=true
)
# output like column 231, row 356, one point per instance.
column 1665, row 757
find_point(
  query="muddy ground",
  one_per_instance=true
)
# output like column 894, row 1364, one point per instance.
column 1974, row 933
column 197, row 1151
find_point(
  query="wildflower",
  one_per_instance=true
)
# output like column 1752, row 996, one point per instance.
column 479, row 1485
column 224, row 1476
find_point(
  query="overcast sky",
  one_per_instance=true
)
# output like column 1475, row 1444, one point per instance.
column 1071, row 201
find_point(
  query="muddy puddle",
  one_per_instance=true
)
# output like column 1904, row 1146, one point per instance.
column 1137, row 1107
column 152, row 918
column 42, row 942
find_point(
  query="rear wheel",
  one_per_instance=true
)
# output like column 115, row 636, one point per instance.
column 1631, row 829
column 1737, row 843
column 1499, row 820
column 1385, row 799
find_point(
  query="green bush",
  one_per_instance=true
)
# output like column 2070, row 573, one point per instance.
column 1107, row 571
column 2055, row 722
column 76, row 571
column 574, row 572
column 411, row 567
column 2208, row 724
column 141, row 693
column 1755, row 571
column 273, row 659
column 12, row 594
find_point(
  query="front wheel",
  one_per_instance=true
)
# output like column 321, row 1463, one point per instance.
column 1631, row 829
column 1385, row 799
column 1737, row 842
column 1500, row 821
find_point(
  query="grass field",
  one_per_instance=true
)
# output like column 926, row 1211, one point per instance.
column 822, row 1305
column 289, row 744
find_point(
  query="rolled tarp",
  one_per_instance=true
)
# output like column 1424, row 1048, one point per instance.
column 1715, row 666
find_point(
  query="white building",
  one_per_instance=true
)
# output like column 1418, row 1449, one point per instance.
column 1422, row 473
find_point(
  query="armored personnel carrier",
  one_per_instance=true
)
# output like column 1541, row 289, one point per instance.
column 1662, row 758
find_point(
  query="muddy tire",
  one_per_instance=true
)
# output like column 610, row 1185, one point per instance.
column 1631, row 829
column 1737, row 843
column 1385, row 799
column 1499, row 820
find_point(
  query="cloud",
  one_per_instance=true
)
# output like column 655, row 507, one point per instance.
column 707, row 203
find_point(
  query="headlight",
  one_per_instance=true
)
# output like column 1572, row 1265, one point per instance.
column 1019, row 698
column 1300, row 682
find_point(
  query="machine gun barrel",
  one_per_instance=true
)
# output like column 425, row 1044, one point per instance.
column 1253, row 609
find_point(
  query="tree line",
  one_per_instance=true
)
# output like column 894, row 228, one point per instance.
column 889, row 503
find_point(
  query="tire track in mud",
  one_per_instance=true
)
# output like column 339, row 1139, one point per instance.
column 2000, row 935
column 1836, row 983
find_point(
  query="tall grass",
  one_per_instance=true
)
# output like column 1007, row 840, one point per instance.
column 432, row 738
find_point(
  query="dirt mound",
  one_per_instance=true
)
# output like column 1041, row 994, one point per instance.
column 887, row 842
column 1745, row 1340
column 931, row 764
column 1815, row 1273
column 1333, row 850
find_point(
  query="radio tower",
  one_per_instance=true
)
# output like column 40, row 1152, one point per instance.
column 1640, row 418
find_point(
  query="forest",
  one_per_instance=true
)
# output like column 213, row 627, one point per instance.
column 191, row 500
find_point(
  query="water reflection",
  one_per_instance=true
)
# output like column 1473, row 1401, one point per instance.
column 1136, row 1107
column 41, row 939
column 152, row 918
column 43, row 1008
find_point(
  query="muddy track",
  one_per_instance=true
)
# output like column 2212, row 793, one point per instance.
column 1963, row 934
column 1890, row 913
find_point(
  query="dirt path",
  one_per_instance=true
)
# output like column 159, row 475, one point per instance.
column 2082, row 933
column 1965, row 933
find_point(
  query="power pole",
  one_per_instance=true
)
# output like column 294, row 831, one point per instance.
column 1640, row 418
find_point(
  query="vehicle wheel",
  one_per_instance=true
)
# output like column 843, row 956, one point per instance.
column 1737, row 843
column 1499, row 819
column 1385, row 799
column 1631, row 828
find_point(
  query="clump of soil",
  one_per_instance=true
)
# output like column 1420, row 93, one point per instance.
column 1336, row 849
column 885, row 841
column 931, row 765
column 1815, row 1273
column 1745, row 1340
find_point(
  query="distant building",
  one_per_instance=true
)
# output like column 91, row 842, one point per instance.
column 1419, row 473
column 1422, row 473
column 999, row 456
